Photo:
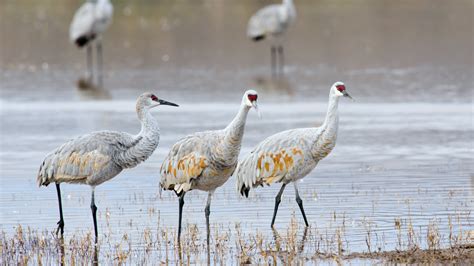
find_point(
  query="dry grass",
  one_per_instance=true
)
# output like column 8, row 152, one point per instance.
column 232, row 245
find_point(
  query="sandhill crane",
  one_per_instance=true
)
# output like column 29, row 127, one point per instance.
column 99, row 156
column 272, row 21
column 290, row 155
column 205, row 160
column 88, row 24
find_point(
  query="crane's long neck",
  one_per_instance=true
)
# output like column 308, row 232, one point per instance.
column 149, row 125
column 145, row 142
column 291, row 8
column 230, row 147
column 332, row 117
column 327, row 133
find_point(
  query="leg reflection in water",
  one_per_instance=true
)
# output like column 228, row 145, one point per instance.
column 61, row 250
column 95, row 259
column 285, row 255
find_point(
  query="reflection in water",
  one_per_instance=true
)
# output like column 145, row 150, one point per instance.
column 303, row 240
column 180, row 254
column 281, row 249
column 279, row 84
column 95, row 260
column 208, row 254
column 62, row 253
column 61, row 250
column 89, row 91
column 472, row 183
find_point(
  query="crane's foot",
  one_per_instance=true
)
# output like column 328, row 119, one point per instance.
column 60, row 227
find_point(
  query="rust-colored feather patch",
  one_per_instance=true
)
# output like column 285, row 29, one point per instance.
column 272, row 167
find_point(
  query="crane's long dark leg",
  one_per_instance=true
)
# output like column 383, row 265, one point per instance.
column 90, row 70
column 273, row 58
column 207, row 211
column 61, row 219
column 94, row 212
column 281, row 64
column 300, row 204
column 277, row 202
column 181, row 204
column 99, row 62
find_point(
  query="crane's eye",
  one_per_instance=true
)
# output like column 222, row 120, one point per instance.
column 154, row 98
column 252, row 97
column 341, row 88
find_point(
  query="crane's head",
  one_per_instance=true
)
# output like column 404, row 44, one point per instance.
column 250, row 99
column 149, row 100
column 339, row 89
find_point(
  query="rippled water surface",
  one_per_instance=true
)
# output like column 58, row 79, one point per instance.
column 404, row 150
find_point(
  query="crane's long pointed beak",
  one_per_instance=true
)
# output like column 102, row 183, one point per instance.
column 347, row 95
column 163, row 102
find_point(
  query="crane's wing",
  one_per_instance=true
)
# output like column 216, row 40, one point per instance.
column 266, row 20
column 275, row 158
column 80, row 31
column 81, row 157
column 186, row 161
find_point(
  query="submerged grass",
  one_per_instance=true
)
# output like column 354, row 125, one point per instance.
column 230, row 244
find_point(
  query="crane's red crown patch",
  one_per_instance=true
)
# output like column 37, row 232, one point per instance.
column 252, row 97
column 341, row 88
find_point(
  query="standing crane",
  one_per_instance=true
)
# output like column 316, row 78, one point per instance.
column 290, row 155
column 97, row 157
column 205, row 160
column 88, row 24
column 272, row 21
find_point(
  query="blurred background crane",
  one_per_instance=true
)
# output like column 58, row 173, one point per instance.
column 271, row 22
column 89, row 23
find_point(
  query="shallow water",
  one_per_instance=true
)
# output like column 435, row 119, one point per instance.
column 404, row 150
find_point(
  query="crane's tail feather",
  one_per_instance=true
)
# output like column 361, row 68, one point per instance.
column 244, row 191
column 45, row 173
column 258, row 38
column 84, row 40
column 245, row 176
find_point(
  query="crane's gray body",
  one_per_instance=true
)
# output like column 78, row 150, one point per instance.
column 94, row 158
column 197, row 162
column 99, row 156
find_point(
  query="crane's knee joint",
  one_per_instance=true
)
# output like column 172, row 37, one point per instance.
column 277, row 199
column 61, row 223
column 299, row 201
